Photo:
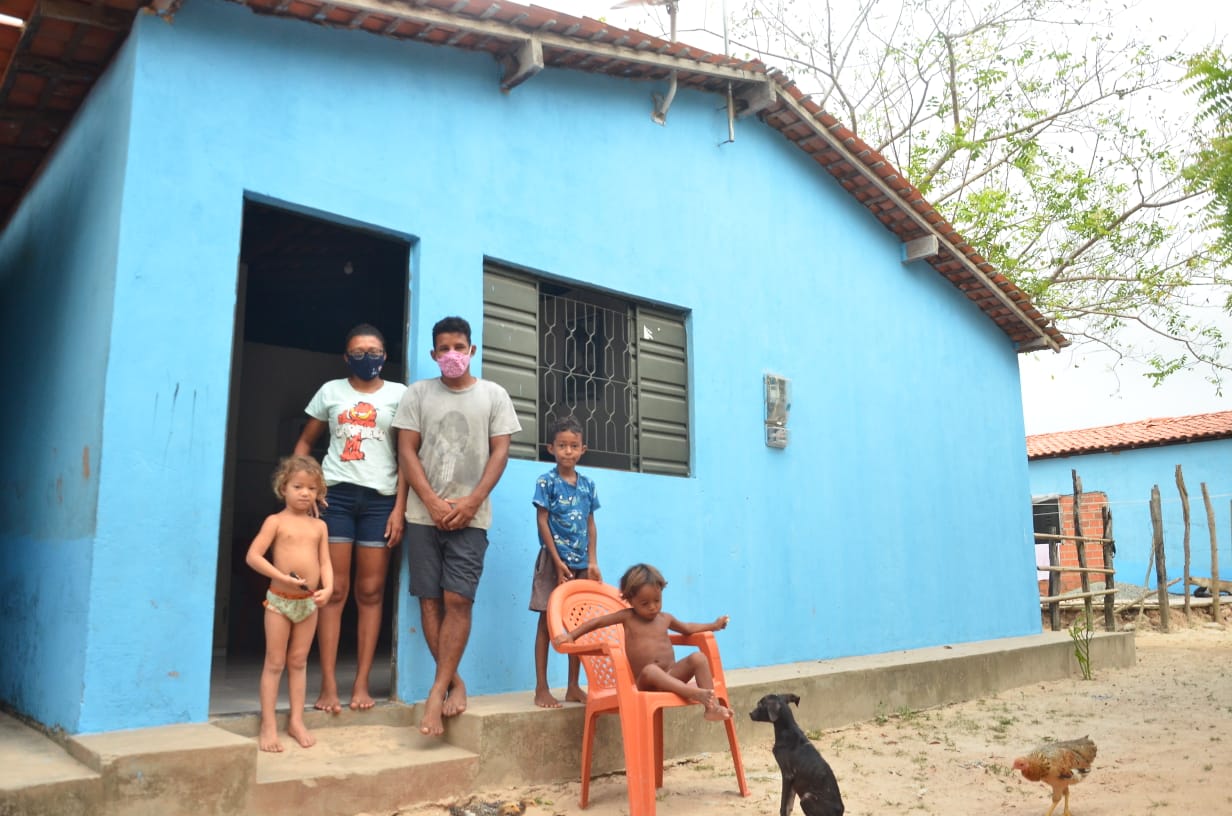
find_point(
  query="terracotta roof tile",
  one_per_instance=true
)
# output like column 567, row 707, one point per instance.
column 1142, row 434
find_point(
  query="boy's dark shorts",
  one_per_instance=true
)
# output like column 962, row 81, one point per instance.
column 449, row 560
column 544, row 581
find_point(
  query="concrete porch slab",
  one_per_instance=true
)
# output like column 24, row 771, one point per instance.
column 377, row 760
column 383, row 713
column 520, row 743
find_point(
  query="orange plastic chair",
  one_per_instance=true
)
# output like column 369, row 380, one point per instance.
column 611, row 689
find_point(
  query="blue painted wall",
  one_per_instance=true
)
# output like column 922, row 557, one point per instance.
column 57, row 271
column 1127, row 478
column 906, row 473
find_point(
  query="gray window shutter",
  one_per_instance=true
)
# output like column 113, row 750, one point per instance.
column 662, row 392
column 511, row 350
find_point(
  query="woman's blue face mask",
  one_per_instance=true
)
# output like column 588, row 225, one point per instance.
column 366, row 366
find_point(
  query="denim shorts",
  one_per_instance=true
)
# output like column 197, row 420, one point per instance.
column 357, row 514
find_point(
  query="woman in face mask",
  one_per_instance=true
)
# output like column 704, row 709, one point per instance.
column 366, row 502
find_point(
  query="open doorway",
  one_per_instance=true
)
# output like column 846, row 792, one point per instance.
column 303, row 283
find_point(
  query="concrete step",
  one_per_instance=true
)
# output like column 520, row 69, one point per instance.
column 373, row 760
column 360, row 767
column 518, row 741
column 362, row 760
column 169, row 769
column 39, row 778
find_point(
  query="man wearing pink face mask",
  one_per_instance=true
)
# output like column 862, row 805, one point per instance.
column 452, row 450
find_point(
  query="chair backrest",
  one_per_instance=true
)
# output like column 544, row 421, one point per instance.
column 575, row 602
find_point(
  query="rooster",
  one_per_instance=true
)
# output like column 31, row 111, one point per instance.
column 1055, row 764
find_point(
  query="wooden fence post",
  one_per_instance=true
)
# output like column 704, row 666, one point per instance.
column 1110, row 578
column 1215, row 585
column 1161, row 569
column 1084, row 576
column 1054, row 584
column 1180, row 486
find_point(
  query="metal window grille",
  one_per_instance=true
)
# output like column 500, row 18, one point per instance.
column 618, row 366
column 586, row 370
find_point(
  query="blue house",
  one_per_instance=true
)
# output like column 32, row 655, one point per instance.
column 799, row 381
column 1125, row 462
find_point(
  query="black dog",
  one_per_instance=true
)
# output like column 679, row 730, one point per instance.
column 805, row 773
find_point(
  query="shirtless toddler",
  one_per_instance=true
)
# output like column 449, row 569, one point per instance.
column 649, row 647
column 300, row 544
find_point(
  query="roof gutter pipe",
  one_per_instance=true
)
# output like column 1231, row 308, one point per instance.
column 662, row 103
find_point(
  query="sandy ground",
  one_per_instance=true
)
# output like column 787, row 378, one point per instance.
column 1163, row 728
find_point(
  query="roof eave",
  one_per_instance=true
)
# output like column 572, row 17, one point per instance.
column 1128, row 446
column 916, row 210
column 525, row 39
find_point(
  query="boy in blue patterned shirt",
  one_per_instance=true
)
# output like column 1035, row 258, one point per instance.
column 565, row 502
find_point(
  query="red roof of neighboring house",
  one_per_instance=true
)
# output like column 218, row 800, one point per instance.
column 1145, row 433
column 49, row 67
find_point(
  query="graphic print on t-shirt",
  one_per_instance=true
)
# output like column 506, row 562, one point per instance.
column 356, row 424
column 456, row 472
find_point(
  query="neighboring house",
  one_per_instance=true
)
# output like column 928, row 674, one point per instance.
column 235, row 189
column 1054, row 515
column 1124, row 462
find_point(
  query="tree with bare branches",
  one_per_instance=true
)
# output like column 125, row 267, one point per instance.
column 1037, row 127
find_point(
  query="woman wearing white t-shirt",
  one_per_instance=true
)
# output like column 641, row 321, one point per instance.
column 366, row 502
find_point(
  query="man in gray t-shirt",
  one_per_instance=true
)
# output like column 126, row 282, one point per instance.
column 453, row 444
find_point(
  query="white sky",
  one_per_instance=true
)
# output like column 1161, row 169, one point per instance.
column 1078, row 389
column 1075, row 388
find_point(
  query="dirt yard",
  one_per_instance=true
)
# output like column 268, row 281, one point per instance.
column 1163, row 728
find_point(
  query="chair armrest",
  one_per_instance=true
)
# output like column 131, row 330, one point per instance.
column 574, row 648
column 612, row 651
column 594, row 647
column 704, row 641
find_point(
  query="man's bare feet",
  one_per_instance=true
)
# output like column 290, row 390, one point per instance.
column 361, row 700
column 455, row 700
column 328, row 702
column 300, row 733
column 574, row 694
column 544, row 699
column 432, row 725
column 267, row 740
column 717, row 713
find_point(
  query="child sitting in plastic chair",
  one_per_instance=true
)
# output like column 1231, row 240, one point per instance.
column 649, row 647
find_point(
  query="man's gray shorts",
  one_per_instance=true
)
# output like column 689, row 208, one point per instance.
column 450, row 560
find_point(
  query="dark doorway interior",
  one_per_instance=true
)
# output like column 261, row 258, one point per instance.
column 1046, row 519
column 303, row 283
column 1046, row 515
